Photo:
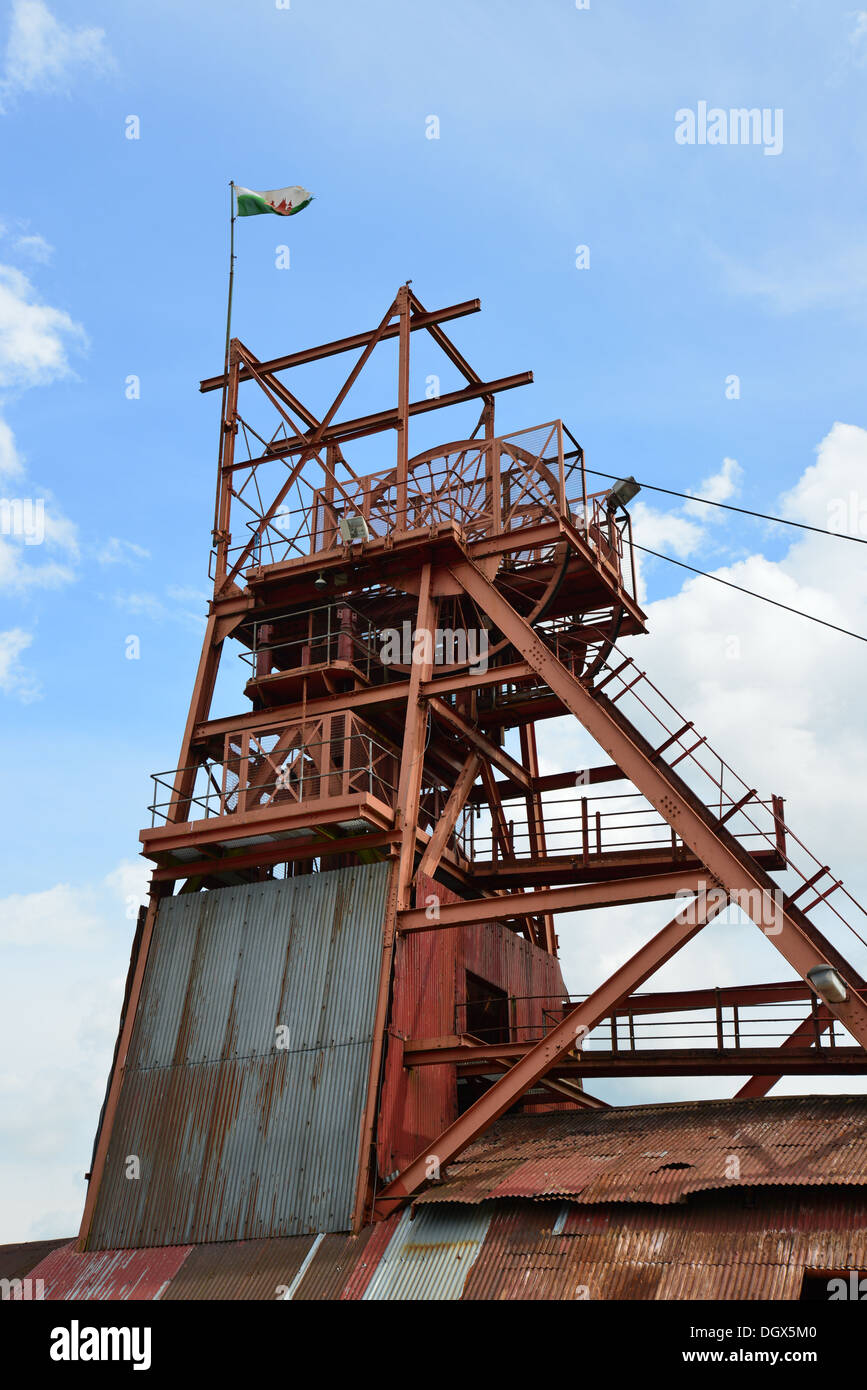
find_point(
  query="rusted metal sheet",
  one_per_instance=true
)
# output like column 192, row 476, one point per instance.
column 109, row 1274
column 245, row 1081
column 240, row 1270
column 332, row 1267
column 429, row 982
column 712, row 1247
column 660, row 1154
column 429, row 1256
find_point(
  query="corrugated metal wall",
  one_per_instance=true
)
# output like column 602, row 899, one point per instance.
column 418, row 1103
column 238, row 1137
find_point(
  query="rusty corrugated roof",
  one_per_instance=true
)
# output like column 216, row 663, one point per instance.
column 755, row 1244
column 240, row 1269
column 713, row 1246
column 109, row 1274
column 661, row 1153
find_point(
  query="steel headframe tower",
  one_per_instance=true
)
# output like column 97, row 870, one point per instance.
column 401, row 628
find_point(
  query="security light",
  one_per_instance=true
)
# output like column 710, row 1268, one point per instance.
column 320, row 582
column 353, row 528
column 622, row 493
column 828, row 984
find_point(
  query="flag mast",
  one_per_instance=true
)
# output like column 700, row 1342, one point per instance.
column 226, row 353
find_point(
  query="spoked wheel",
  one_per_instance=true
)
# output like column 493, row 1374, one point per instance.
column 452, row 483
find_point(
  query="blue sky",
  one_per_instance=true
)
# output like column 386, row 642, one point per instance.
column 556, row 130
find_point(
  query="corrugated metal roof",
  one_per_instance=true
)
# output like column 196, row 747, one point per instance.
column 749, row 1245
column 335, row 1260
column 429, row 1256
column 660, row 1154
column 242, row 1269
column 711, row 1247
column 109, row 1274
column 239, row 1138
column 16, row 1261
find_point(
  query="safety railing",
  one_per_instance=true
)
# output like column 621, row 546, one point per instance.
column 575, row 826
column 483, row 486
column 277, row 768
column 720, row 1026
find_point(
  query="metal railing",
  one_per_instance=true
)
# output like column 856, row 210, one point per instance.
column 574, row 826
column 721, row 1027
column 483, row 486
column 256, row 777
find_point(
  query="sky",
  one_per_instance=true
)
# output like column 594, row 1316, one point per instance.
column 695, row 312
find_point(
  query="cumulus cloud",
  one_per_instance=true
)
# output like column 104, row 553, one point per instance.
column 35, row 338
column 59, row 1014
column 719, row 487
column 15, row 678
column 35, row 341
column 42, row 54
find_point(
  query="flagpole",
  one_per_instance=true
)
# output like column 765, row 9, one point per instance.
column 226, row 353
column 231, row 270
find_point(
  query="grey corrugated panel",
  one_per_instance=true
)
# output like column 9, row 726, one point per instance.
column 239, row 1139
column 429, row 1258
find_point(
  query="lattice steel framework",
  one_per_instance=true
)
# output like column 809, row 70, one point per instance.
column 426, row 754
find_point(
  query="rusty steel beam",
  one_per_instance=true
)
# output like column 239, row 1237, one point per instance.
column 542, row 1055
column 389, row 419
column 393, row 693
column 676, row 1061
column 399, row 891
column 575, row 898
column 448, row 820
column 476, row 741
column 264, row 855
column 560, row 1089
column 728, row 863
column 356, row 340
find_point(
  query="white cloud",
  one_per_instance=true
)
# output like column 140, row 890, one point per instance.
column 59, row 1013
column 34, row 337
column 35, row 246
column 11, row 463
column 719, row 487
column 57, row 916
column 858, row 36
column 42, row 54
column 147, row 605
column 120, row 552
column 22, row 563
column 15, row 679
column 790, row 280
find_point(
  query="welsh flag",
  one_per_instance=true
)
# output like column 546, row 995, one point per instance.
column 284, row 201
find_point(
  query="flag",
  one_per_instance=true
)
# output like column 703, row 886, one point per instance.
column 284, row 201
